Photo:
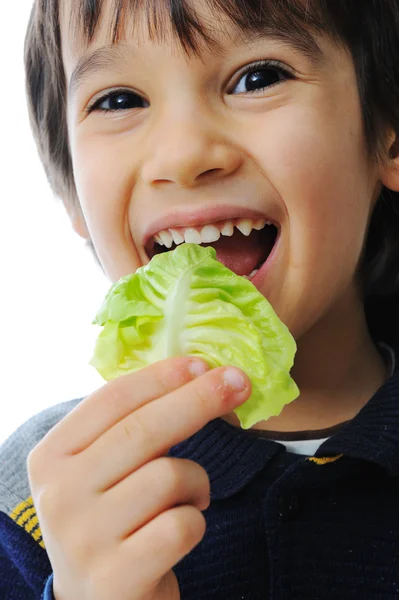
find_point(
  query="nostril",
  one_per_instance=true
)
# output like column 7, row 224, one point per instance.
column 211, row 171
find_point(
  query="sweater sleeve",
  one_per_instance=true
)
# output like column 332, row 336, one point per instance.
column 24, row 564
column 25, row 569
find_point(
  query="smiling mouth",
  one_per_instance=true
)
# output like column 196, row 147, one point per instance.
column 242, row 245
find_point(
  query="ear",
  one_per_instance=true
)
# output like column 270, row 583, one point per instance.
column 390, row 171
column 77, row 219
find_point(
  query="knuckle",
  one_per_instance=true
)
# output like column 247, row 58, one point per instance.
column 172, row 475
column 57, row 501
column 181, row 479
column 49, row 503
column 200, row 475
column 117, row 393
column 34, row 463
column 175, row 530
column 137, row 429
column 170, row 373
column 204, row 394
column 183, row 527
column 161, row 377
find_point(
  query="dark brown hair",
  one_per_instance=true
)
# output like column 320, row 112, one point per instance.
column 369, row 30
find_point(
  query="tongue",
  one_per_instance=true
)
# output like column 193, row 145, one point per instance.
column 242, row 254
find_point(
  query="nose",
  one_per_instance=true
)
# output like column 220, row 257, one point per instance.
column 189, row 150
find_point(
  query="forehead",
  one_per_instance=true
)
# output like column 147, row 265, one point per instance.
column 192, row 25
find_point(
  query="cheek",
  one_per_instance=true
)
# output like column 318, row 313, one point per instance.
column 104, row 184
column 319, row 172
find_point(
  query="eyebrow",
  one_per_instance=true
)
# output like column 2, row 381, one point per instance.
column 104, row 58
column 109, row 57
column 301, row 41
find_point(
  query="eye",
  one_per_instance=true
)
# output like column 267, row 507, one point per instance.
column 118, row 100
column 262, row 75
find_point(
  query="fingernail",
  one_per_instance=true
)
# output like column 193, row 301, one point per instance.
column 197, row 368
column 234, row 379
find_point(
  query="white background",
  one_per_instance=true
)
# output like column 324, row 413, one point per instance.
column 50, row 285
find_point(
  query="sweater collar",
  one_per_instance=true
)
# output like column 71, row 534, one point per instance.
column 373, row 434
column 232, row 457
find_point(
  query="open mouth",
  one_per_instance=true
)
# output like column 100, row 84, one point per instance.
column 242, row 245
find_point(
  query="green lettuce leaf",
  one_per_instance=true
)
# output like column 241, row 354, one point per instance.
column 185, row 302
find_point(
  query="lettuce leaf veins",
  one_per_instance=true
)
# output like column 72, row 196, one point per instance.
column 186, row 302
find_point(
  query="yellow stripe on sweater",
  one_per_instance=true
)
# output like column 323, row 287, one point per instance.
column 21, row 508
column 324, row 460
column 25, row 516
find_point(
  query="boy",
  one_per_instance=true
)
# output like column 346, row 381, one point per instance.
column 157, row 124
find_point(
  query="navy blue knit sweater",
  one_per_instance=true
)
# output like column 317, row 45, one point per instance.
column 280, row 526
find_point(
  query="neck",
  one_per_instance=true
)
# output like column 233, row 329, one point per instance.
column 337, row 369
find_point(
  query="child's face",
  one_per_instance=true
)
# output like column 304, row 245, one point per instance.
column 198, row 144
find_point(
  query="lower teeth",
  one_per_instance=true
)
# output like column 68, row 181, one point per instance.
column 251, row 274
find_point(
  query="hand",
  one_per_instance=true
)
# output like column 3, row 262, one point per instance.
column 115, row 512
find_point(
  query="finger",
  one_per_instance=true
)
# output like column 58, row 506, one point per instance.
column 152, row 430
column 168, row 537
column 154, row 488
column 112, row 402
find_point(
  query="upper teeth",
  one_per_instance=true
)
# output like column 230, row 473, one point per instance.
column 208, row 233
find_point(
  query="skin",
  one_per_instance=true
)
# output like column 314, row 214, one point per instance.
column 295, row 150
column 81, row 477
